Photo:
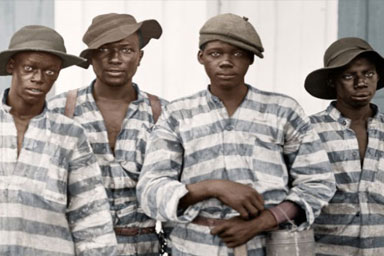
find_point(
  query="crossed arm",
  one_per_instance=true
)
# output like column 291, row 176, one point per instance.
column 253, row 219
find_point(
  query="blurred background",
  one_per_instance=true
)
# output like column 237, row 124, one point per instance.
column 295, row 34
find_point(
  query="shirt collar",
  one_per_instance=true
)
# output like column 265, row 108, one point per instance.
column 336, row 114
column 140, row 95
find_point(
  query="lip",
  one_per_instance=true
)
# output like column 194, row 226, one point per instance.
column 361, row 96
column 35, row 91
column 114, row 72
column 226, row 76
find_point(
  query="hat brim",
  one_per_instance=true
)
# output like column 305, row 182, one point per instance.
column 205, row 38
column 149, row 29
column 68, row 59
column 317, row 82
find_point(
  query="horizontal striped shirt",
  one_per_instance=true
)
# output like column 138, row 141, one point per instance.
column 52, row 201
column 353, row 222
column 120, row 170
column 265, row 140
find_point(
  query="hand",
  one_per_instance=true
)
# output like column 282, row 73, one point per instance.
column 237, row 231
column 242, row 198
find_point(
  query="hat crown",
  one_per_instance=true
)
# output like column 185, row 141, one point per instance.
column 103, row 23
column 37, row 37
column 337, row 51
column 232, row 25
column 237, row 29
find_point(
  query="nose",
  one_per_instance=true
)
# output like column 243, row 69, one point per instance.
column 37, row 76
column 226, row 61
column 361, row 81
column 114, row 56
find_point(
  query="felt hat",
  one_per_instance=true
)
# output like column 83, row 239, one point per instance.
column 36, row 38
column 113, row 27
column 232, row 29
column 338, row 55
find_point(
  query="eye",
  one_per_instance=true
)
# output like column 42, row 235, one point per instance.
column 28, row 68
column 126, row 50
column 238, row 54
column 50, row 72
column 103, row 49
column 215, row 54
column 370, row 74
column 347, row 77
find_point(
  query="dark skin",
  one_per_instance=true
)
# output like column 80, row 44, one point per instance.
column 33, row 75
column 114, row 65
column 355, row 88
column 226, row 66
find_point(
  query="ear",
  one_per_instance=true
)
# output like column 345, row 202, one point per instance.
column 141, row 54
column 200, row 57
column 10, row 66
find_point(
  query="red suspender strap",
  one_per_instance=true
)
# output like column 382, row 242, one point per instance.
column 71, row 103
column 155, row 105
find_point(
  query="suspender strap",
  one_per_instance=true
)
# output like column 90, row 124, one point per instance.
column 155, row 105
column 71, row 103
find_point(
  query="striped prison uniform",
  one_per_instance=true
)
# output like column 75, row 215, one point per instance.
column 267, row 143
column 120, row 171
column 353, row 222
column 52, row 201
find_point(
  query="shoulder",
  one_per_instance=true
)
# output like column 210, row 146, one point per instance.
column 274, row 103
column 65, row 126
column 57, row 103
column 187, row 103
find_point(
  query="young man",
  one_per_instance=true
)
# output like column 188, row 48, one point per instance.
column 118, row 118
column 52, row 201
column 351, row 129
column 219, row 161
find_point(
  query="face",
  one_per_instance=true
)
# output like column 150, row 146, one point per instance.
column 33, row 75
column 225, row 64
column 356, row 85
column 116, row 63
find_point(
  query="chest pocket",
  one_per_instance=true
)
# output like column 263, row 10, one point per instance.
column 56, row 179
column 268, row 163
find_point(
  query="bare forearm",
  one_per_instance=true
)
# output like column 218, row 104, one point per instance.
column 197, row 192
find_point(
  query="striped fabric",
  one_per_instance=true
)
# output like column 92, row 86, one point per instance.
column 120, row 171
column 52, row 201
column 353, row 222
column 195, row 139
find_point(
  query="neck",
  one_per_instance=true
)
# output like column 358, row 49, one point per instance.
column 105, row 92
column 362, row 113
column 23, row 110
column 231, row 97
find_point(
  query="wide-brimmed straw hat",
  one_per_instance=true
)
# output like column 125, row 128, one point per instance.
column 338, row 56
column 232, row 29
column 40, row 39
column 113, row 27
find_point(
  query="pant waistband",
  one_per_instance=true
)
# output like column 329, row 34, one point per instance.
column 133, row 231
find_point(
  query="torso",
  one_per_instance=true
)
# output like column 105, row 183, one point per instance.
column 113, row 113
column 21, row 127
column 360, row 129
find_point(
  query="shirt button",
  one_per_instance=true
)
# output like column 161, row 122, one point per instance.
column 358, row 214
column 229, row 127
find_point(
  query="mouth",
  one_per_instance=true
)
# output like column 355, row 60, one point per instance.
column 114, row 72
column 361, row 96
column 226, row 76
column 35, row 91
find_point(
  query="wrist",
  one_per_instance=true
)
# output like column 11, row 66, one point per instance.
column 264, row 222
